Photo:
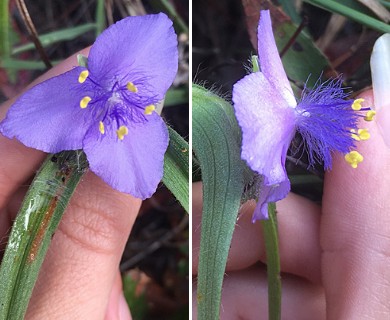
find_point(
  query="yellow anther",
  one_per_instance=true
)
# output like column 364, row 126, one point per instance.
column 131, row 87
column 354, row 135
column 361, row 134
column 357, row 104
column 101, row 127
column 370, row 115
column 364, row 134
column 149, row 109
column 353, row 158
column 84, row 102
column 121, row 132
column 83, row 76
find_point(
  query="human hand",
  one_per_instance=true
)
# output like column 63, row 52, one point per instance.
column 79, row 278
column 334, row 258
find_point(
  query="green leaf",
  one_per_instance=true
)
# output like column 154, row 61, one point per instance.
column 176, row 96
column 4, row 30
column 290, row 9
column 216, row 142
column 57, row 36
column 303, row 61
column 24, row 65
column 35, row 224
column 176, row 168
column 100, row 17
column 357, row 16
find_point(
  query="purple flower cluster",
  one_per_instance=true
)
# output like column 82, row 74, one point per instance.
column 269, row 116
column 107, row 109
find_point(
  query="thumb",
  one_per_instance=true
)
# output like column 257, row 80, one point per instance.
column 355, row 232
column 80, row 268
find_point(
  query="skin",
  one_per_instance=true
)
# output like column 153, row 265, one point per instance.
column 79, row 278
column 335, row 258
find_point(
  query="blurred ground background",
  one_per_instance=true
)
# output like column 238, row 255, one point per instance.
column 155, row 262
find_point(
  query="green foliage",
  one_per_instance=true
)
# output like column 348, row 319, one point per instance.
column 352, row 14
column 35, row 224
column 216, row 142
column 51, row 38
column 136, row 300
column 176, row 168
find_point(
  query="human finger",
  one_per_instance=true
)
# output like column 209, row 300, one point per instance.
column 245, row 296
column 355, row 232
column 82, row 262
column 117, row 306
column 298, row 223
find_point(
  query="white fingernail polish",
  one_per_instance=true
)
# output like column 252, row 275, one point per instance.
column 380, row 71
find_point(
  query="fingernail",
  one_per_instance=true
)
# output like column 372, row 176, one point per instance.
column 124, row 311
column 380, row 72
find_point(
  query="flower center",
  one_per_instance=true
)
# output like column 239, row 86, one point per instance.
column 117, row 107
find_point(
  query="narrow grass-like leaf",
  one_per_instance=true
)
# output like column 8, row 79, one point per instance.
column 57, row 36
column 216, row 144
column 270, row 230
column 4, row 30
column 100, row 17
column 176, row 168
column 36, row 222
column 290, row 9
column 23, row 65
column 385, row 3
column 357, row 16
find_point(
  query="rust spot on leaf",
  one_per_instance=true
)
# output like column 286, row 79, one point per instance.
column 36, row 244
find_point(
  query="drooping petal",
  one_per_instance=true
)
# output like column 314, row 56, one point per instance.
column 141, row 50
column 48, row 117
column 267, row 124
column 133, row 165
column 270, row 62
column 269, row 194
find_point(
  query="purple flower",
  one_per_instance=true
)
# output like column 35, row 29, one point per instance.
column 269, row 116
column 107, row 109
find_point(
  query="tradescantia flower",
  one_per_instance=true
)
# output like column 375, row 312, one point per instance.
column 107, row 109
column 269, row 116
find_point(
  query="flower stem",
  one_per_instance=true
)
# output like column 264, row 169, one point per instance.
column 270, row 229
column 35, row 224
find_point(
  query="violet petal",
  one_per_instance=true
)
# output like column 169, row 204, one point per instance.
column 141, row 50
column 48, row 117
column 269, row 194
column 267, row 125
column 270, row 62
column 133, row 165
